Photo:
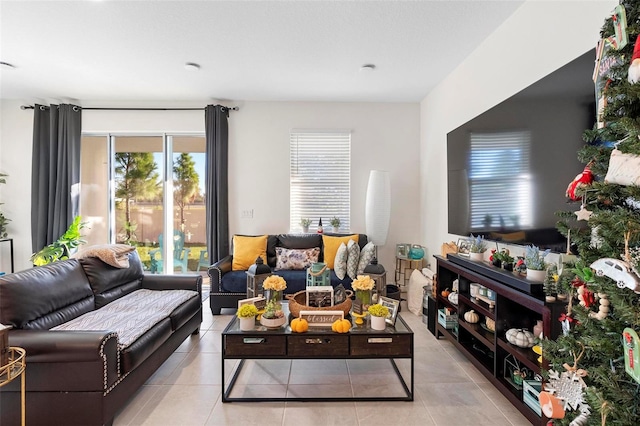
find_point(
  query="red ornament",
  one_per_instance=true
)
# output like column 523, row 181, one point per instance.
column 583, row 179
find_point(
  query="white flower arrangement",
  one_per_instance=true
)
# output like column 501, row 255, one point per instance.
column 363, row 282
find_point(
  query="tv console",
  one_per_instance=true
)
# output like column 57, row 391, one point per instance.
column 518, row 304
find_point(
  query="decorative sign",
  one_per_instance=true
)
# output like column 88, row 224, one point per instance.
column 259, row 302
column 321, row 318
column 631, row 349
column 320, row 296
column 356, row 306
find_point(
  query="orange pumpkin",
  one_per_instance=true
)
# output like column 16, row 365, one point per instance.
column 341, row 326
column 299, row 325
column 445, row 293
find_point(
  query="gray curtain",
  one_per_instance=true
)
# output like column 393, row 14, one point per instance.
column 216, row 188
column 55, row 174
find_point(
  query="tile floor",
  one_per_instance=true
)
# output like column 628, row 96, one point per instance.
column 186, row 389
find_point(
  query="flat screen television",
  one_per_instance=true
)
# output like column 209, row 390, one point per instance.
column 509, row 167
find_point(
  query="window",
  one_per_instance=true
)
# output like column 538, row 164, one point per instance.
column 320, row 181
column 499, row 180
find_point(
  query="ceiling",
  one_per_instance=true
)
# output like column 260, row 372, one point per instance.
column 134, row 51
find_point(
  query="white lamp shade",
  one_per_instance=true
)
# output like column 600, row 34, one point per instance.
column 378, row 207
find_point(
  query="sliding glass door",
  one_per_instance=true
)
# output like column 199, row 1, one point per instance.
column 148, row 187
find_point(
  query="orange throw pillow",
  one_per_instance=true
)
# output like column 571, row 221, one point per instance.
column 331, row 245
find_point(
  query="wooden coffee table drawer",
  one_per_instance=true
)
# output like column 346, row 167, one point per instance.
column 381, row 346
column 318, row 346
column 255, row 346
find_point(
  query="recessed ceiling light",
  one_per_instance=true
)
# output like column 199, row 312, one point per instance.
column 367, row 68
column 191, row 66
column 7, row 65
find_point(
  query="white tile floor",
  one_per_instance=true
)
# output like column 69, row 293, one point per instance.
column 186, row 389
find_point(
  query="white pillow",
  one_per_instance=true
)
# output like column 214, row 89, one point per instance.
column 340, row 262
column 366, row 254
column 352, row 260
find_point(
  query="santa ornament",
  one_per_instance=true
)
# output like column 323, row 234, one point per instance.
column 634, row 68
column 583, row 179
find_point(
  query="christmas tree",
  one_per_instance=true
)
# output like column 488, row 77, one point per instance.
column 587, row 366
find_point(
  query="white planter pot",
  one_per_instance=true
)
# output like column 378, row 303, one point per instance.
column 336, row 229
column 378, row 323
column 478, row 257
column 273, row 322
column 536, row 275
column 247, row 324
column 305, row 229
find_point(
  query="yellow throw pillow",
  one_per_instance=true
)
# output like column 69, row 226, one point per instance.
column 331, row 245
column 246, row 250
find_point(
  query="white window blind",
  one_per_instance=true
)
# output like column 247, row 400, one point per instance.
column 500, row 181
column 320, row 181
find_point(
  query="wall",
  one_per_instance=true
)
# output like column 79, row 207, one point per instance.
column 384, row 136
column 537, row 39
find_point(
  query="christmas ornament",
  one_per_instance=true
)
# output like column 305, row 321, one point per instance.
column 603, row 307
column 585, row 296
column 634, row 68
column 583, row 179
column 583, row 213
column 619, row 19
column 633, row 203
column 631, row 349
column 624, row 169
column 619, row 271
column 568, row 387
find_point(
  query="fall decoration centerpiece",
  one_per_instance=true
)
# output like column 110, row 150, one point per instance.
column 273, row 317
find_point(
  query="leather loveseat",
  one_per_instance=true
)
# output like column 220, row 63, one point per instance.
column 228, row 285
column 93, row 334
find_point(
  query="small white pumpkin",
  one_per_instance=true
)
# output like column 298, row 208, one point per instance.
column 520, row 337
column 471, row 317
column 453, row 298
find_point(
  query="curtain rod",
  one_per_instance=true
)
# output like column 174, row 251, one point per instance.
column 23, row 107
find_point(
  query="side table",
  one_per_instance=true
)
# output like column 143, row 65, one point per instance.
column 14, row 368
column 404, row 267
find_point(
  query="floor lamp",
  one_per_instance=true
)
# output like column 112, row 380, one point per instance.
column 378, row 207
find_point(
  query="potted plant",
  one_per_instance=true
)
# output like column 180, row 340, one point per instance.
column 273, row 317
column 335, row 222
column 506, row 260
column 534, row 260
column 63, row 247
column 305, row 222
column 477, row 248
column 247, row 315
column 379, row 313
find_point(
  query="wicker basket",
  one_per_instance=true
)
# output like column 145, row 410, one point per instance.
column 297, row 303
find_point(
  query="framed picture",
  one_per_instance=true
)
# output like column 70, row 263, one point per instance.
column 464, row 244
column 321, row 318
column 260, row 302
column 320, row 296
column 402, row 250
column 393, row 305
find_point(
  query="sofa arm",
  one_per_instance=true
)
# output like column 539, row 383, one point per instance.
column 68, row 360
column 217, row 270
column 172, row 282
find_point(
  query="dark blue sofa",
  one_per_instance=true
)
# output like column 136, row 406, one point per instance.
column 227, row 286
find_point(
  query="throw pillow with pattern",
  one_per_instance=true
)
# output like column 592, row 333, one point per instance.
column 353, row 250
column 366, row 254
column 340, row 263
column 299, row 259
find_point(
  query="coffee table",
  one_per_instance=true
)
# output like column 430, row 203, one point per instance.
column 319, row 343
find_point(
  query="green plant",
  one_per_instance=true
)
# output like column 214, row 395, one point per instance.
column 61, row 248
column 335, row 222
column 478, row 244
column 503, row 256
column 534, row 259
column 378, row 310
column 305, row 222
column 247, row 311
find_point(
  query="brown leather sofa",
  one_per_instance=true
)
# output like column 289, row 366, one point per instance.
column 83, row 377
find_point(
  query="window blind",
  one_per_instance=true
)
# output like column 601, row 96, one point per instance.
column 320, row 178
column 499, row 180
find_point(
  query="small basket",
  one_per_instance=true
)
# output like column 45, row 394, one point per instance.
column 297, row 303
